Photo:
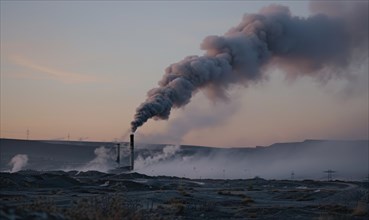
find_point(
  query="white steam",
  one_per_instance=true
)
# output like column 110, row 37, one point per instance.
column 18, row 162
column 167, row 153
column 306, row 159
column 104, row 160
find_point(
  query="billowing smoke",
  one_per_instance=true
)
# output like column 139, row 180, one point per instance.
column 319, row 45
column 104, row 160
column 195, row 117
column 18, row 162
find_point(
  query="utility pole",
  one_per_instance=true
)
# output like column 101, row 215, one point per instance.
column 292, row 175
column 329, row 174
column 27, row 132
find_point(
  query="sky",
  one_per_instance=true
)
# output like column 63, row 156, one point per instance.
column 80, row 69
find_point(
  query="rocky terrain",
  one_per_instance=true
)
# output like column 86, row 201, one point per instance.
column 95, row 195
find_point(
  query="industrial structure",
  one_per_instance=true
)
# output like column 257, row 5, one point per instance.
column 132, row 145
column 126, row 168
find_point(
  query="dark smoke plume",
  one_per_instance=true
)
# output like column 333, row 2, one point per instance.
column 272, row 37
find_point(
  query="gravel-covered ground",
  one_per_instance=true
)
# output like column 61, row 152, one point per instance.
column 96, row 195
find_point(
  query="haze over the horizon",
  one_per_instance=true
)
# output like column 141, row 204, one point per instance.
column 81, row 68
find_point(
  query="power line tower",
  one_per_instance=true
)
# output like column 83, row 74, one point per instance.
column 329, row 174
column 292, row 175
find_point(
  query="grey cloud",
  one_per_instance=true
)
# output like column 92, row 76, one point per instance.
column 273, row 37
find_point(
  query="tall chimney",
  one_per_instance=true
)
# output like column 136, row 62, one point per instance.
column 132, row 144
column 118, row 154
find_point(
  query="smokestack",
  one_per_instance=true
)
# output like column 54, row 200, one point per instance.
column 131, row 143
column 118, row 154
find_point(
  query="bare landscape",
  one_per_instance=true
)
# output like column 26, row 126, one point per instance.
column 77, row 194
column 184, row 110
column 96, row 195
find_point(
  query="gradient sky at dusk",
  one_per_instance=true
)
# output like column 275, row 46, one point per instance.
column 82, row 68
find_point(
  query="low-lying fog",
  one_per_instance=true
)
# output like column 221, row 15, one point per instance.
column 306, row 160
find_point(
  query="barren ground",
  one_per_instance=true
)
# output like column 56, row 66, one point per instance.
column 95, row 195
